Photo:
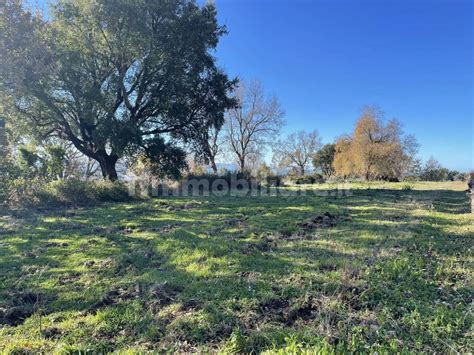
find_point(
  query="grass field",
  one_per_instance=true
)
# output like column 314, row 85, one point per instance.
column 388, row 268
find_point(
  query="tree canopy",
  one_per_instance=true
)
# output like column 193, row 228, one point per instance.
column 253, row 124
column 324, row 159
column 297, row 150
column 115, row 78
column 376, row 149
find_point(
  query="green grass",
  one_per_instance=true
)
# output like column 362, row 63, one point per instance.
column 241, row 274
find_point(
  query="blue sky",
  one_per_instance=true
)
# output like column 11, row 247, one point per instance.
column 326, row 59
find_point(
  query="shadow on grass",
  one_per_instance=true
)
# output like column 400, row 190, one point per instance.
column 223, row 255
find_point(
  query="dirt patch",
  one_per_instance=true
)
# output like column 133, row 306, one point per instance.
column 264, row 245
column 22, row 305
column 128, row 229
column 115, row 296
column 89, row 263
column 107, row 263
column 394, row 218
column 174, row 208
column 164, row 294
column 325, row 220
column 275, row 309
column 235, row 221
column 190, row 305
column 296, row 236
column 274, row 305
column 30, row 254
column 285, row 234
column 102, row 230
column 191, row 205
column 15, row 315
column 169, row 228
column 51, row 332
column 66, row 279
column 56, row 245
column 327, row 267
column 171, row 208
column 282, row 310
column 305, row 312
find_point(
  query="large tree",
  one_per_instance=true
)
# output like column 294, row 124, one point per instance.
column 207, row 145
column 297, row 150
column 324, row 160
column 115, row 78
column 343, row 161
column 254, row 123
column 377, row 149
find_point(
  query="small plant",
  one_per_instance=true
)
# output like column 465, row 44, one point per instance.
column 235, row 344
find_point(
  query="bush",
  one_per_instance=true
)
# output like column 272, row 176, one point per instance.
column 274, row 180
column 309, row 179
column 228, row 177
column 233, row 180
column 108, row 191
column 37, row 193
column 78, row 192
column 8, row 174
column 454, row 175
column 443, row 174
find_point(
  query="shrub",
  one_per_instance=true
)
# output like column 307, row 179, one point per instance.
column 22, row 191
column 108, row 191
column 309, row 179
column 9, row 172
column 274, row 180
column 454, row 175
column 78, row 192
column 37, row 193
column 232, row 180
column 5, row 186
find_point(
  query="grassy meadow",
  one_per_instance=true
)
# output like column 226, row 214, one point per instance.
column 388, row 268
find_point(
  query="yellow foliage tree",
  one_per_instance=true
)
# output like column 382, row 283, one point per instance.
column 343, row 161
column 375, row 150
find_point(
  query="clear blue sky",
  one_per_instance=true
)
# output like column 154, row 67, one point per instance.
column 326, row 59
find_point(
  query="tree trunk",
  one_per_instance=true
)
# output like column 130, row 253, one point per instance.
column 470, row 190
column 302, row 171
column 213, row 165
column 107, row 166
column 242, row 164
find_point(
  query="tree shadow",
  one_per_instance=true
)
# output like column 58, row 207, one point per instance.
column 218, row 254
